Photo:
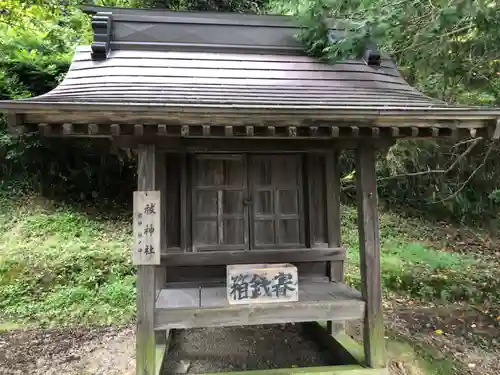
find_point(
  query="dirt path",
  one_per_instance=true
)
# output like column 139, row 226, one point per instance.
column 467, row 335
column 68, row 351
column 470, row 337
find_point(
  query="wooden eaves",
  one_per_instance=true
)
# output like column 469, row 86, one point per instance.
column 169, row 74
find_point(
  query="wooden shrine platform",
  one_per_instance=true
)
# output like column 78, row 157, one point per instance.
column 188, row 305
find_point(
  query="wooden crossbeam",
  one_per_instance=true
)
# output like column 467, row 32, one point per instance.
column 251, row 131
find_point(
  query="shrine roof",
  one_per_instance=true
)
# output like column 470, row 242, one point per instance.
column 216, row 68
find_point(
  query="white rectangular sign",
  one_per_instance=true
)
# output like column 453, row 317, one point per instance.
column 147, row 231
column 262, row 283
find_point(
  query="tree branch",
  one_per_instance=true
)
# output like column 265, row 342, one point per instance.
column 473, row 142
column 451, row 196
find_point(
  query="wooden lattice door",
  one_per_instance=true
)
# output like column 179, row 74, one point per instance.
column 219, row 189
column 276, row 190
column 243, row 202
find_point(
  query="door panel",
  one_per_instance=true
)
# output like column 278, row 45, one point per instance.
column 219, row 190
column 227, row 214
column 276, row 190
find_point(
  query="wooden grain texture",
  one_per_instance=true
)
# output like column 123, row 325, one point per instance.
column 335, row 270
column 258, row 146
column 369, row 241
column 161, row 183
column 317, row 301
column 332, row 173
column 316, row 188
column 346, row 350
column 219, row 215
column 146, row 277
column 222, row 115
column 314, row 270
column 168, row 81
column 277, row 213
column 320, row 370
column 147, row 228
column 173, row 200
column 210, row 258
column 240, row 291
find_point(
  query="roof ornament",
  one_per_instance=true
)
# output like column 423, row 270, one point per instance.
column 372, row 56
column 101, row 24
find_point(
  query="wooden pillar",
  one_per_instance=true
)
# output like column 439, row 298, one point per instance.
column 161, row 185
column 369, row 243
column 150, row 278
column 335, row 269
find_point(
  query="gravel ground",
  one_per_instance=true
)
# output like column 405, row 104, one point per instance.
column 243, row 348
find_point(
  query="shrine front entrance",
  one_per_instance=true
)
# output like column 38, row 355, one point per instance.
column 247, row 201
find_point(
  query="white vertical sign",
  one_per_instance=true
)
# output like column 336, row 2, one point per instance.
column 147, row 230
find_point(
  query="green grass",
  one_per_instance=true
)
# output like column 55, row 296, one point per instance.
column 417, row 359
column 59, row 265
column 420, row 271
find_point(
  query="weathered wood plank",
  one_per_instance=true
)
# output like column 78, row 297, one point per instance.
column 160, row 351
column 278, row 283
column 182, row 298
column 317, row 301
column 340, row 343
column 146, row 278
column 68, row 128
column 258, row 145
column 332, row 174
column 312, row 270
column 323, row 370
column 163, row 339
column 211, row 258
column 335, row 270
column 186, row 217
column 161, row 186
column 115, row 130
column 147, row 227
column 368, row 226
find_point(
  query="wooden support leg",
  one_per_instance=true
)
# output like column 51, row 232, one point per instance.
column 150, row 346
column 335, row 269
column 161, row 337
column 369, row 241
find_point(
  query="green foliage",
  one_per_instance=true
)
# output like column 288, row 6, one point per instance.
column 435, row 177
column 415, row 269
column 193, row 5
column 59, row 265
column 56, row 264
column 449, row 50
column 35, row 53
column 445, row 47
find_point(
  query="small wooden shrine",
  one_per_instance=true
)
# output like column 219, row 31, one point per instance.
column 238, row 136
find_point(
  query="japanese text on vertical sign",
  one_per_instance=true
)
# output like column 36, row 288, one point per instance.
column 146, row 227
